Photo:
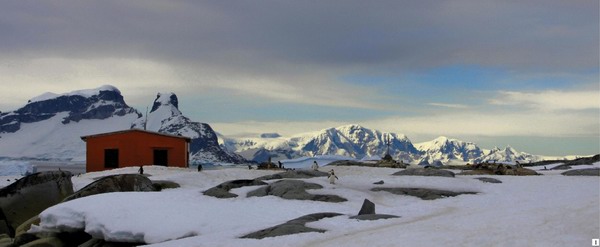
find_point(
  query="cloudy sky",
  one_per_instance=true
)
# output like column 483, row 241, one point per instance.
column 524, row 73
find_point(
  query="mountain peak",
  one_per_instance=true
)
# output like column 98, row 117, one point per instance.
column 84, row 93
column 165, row 99
column 441, row 139
column 350, row 127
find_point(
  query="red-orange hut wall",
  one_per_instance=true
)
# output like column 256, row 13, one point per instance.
column 136, row 148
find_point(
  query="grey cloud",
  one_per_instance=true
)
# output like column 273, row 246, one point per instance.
column 255, row 36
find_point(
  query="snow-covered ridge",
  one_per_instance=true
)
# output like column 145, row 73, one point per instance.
column 356, row 142
column 84, row 93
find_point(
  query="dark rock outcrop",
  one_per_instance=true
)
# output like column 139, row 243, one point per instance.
column 32, row 194
column 423, row 193
column 367, row 212
column 222, row 190
column 374, row 217
column 21, row 235
column 295, row 174
column 583, row 172
column 294, row 190
column 368, row 207
column 294, row 226
column 380, row 182
column 115, row 183
column 424, row 172
column 499, row 169
column 561, row 167
column 162, row 184
column 489, row 180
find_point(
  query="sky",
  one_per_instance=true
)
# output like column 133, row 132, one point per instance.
column 524, row 73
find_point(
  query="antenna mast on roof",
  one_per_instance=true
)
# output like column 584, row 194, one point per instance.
column 146, row 121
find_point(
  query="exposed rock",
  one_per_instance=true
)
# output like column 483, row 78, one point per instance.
column 222, row 190
column 294, row 226
column 424, row 172
column 101, row 243
column 349, row 163
column 423, row 193
column 115, row 183
column 520, row 171
column 368, row 207
column 583, row 172
column 163, row 184
column 380, row 182
column 374, row 217
column 499, row 169
column 61, row 239
column 46, row 242
column 32, row 194
column 21, row 235
column 5, row 240
column 294, row 190
column 561, row 167
column 489, row 180
column 294, row 174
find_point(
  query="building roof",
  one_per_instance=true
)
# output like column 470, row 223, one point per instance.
column 84, row 138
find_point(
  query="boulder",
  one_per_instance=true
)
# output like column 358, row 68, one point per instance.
column 163, row 184
column 294, row 226
column 423, row 193
column 5, row 240
column 294, row 174
column 21, row 235
column 46, row 242
column 583, row 172
column 222, row 190
column 61, row 239
column 424, row 172
column 380, row 182
column 115, row 183
column 520, row 171
column 30, row 195
column 294, row 190
column 368, row 207
column 489, row 180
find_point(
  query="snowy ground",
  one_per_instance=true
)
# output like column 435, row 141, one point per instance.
column 549, row 210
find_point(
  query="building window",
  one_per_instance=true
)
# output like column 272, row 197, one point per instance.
column 161, row 157
column 111, row 158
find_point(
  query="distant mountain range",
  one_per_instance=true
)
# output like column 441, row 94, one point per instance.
column 359, row 142
column 49, row 126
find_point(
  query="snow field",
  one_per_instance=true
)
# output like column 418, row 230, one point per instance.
column 550, row 210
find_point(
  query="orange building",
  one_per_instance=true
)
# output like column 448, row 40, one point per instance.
column 135, row 147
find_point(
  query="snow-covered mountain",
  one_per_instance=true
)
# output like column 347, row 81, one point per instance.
column 349, row 140
column 358, row 142
column 449, row 151
column 508, row 154
column 49, row 126
column 166, row 117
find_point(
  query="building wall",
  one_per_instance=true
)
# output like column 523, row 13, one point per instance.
column 135, row 149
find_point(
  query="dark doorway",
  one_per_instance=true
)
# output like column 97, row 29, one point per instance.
column 111, row 158
column 161, row 157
